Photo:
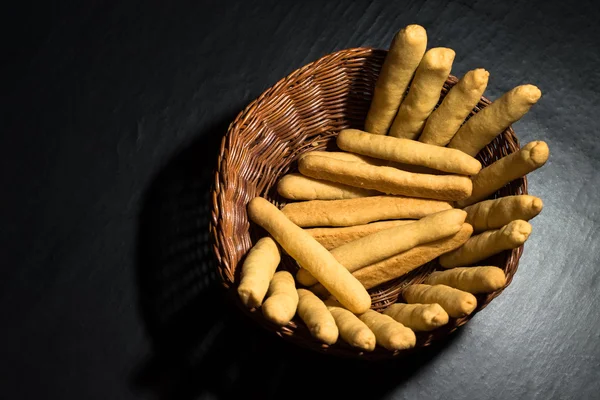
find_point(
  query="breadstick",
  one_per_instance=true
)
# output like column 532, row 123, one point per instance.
column 282, row 299
column 401, row 264
column 360, row 211
column 352, row 330
column 488, row 123
column 470, row 279
column 494, row 214
column 300, row 187
column 317, row 317
column 408, row 152
column 384, row 244
column 424, row 93
column 340, row 155
column 507, row 169
column 331, row 238
column 403, row 58
column 257, row 271
column 387, row 179
column 389, row 333
column 418, row 317
column 455, row 302
column 444, row 122
column 488, row 243
column 311, row 255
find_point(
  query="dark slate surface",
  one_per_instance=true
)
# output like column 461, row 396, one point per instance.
column 111, row 116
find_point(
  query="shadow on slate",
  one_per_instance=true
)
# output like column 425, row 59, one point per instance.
column 201, row 344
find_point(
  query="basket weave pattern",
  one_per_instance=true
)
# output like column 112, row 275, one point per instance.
column 301, row 113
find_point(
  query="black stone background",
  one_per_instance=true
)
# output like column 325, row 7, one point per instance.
column 112, row 113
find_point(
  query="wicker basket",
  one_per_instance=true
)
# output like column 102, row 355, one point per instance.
column 303, row 112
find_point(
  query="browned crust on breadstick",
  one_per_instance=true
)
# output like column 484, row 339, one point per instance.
column 341, row 155
column 488, row 243
column 401, row 264
column 403, row 58
column 389, row 333
column 456, row 302
column 408, row 152
column 418, row 317
column 361, row 210
column 384, row 244
column 299, row 187
column 424, row 93
column 331, row 238
column 444, row 122
column 488, row 123
column 470, row 279
column 387, row 179
column 311, row 255
column 493, row 177
column 494, row 214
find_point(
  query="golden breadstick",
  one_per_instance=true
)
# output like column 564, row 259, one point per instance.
column 360, row 211
column 494, row 214
column 257, row 271
column 311, row 255
column 418, row 317
column 389, row 333
column 401, row 264
column 300, row 187
column 387, row 179
column 455, row 302
column 282, row 299
column 317, row 317
column 424, row 93
column 331, row 238
column 403, row 58
column 488, row 123
column 351, row 328
column 507, row 169
column 488, row 243
column 340, row 155
column 444, row 122
column 408, row 152
column 384, row 244
column 470, row 279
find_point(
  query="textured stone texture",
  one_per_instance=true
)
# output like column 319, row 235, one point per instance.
column 111, row 116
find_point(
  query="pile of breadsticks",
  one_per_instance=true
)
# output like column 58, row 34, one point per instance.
column 402, row 193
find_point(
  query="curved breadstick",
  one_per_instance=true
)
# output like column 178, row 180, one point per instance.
column 311, row 255
column 470, row 279
column 444, row 122
column 257, row 271
column 300, row 187
column 455, row 302
column 340, row 155
column 494, row 214
column 387, row 179
column 317, row 317
column 389, row 333
column 331, row 238
column 418, row 317
column 381, row 245
column 408, row 152
column 352, row 330
column 401, row 264
column 360, row 211
column 486, row 244
column 282, row 299
column 403, row 58
column 507, row 169
column 488, row 123
column 424, row 93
